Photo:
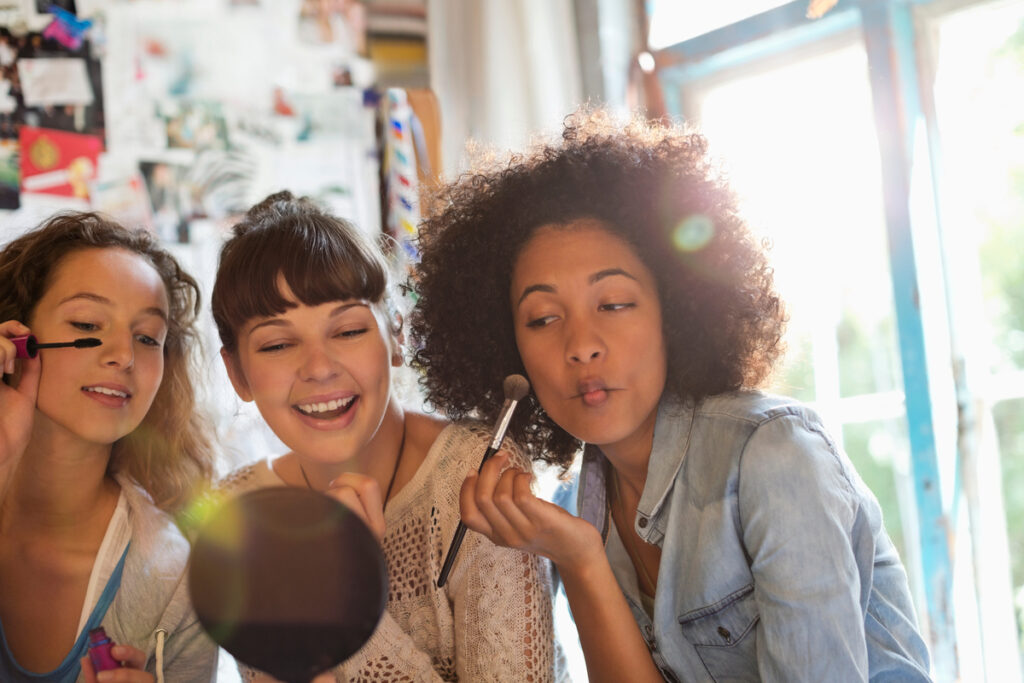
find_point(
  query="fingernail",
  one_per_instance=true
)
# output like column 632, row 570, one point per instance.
column 104, row 676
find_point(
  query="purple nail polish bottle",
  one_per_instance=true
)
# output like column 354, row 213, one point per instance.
column 99, row 650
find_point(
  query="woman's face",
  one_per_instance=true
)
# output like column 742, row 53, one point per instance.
column 319, row 375
column 588, row 326
column 100, row 394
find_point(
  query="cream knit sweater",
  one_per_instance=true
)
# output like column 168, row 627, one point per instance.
column 493, row 619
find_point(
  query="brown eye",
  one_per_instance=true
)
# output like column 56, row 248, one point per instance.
column 541, row 322
column 352, row 333
column 617, row 307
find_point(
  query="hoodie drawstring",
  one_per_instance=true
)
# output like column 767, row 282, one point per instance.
column 160, row 636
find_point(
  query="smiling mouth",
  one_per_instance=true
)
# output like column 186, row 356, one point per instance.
column 107, row 392
column 326, row 410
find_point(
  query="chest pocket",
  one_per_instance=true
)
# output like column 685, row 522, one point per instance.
column 723, row 635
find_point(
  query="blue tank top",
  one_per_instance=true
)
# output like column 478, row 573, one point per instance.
column 68, row 670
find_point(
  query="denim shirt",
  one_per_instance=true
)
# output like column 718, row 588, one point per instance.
column 775, row 565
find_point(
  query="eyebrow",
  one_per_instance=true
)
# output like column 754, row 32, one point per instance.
column 593, row 279
column 89, row 296
column 278, row 322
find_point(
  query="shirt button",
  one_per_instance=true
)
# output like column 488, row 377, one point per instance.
column 643, row 522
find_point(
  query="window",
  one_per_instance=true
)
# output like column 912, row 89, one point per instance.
column 798, row 142
column 673, row 21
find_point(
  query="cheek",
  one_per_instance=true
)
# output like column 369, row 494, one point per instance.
column 151, row 375
column 531, row 353
column 156, row 364
column 260, row 377
column 541, row 370
column 48, row 388
column 655, row 370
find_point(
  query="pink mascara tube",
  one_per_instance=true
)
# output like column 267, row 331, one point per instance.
column 99, row 651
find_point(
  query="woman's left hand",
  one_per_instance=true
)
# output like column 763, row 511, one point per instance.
column 132, row 670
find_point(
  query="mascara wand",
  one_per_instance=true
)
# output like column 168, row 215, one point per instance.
column 28, row 346
column 515, row 387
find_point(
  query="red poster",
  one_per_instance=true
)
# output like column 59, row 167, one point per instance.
column 58, row 162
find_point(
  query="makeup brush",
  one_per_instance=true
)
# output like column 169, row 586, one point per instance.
column 516, row 387
column 28, row 346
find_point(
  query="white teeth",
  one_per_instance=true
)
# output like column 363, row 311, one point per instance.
column 108, row 392
column 322, row 407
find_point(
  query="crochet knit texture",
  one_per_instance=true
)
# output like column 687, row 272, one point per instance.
column 491, row 622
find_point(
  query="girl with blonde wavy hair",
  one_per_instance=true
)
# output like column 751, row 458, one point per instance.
column 99, row 448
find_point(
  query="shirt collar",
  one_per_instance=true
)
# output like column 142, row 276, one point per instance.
column 671, row 440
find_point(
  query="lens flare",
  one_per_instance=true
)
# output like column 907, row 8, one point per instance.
column 693, row 233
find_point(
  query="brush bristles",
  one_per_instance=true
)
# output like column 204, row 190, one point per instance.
column 516, row 387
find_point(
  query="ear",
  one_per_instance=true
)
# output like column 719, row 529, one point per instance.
column 397, row 351
column 398, row 342
column 236, row 375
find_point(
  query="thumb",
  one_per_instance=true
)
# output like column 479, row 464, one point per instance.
column 88, row 672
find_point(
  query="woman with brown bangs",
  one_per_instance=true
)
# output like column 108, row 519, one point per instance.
column 311, row 334
column 99, row 448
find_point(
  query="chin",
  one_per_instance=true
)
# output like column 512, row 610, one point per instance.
column 596, row 435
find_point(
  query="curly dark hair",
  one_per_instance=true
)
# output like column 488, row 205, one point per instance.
column 652, row 184
column 170, row 453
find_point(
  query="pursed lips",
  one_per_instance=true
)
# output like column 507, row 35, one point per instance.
column 590, row 385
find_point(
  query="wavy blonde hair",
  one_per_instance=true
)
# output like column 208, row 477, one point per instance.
column 170, row 453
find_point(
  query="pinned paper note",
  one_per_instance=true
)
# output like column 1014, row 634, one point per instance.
column 54, row 82
column 58, row 162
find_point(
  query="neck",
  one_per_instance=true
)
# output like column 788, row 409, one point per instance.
column 629, row 457
column 630, row 470
column 59, row 485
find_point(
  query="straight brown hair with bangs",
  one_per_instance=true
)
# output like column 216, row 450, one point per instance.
column 322, row 258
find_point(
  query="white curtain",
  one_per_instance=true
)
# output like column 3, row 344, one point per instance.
column 502, row 71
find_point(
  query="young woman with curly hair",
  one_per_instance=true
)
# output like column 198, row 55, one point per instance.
column 723, row 535
column 99, row 448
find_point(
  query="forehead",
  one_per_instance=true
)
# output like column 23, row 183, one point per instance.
column 114, row 273
column 583, row 246
column 299, row 313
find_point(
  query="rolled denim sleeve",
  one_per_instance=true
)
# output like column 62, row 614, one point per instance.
column 804, row 527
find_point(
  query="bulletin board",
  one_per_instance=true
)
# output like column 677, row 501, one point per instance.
column 171, row 111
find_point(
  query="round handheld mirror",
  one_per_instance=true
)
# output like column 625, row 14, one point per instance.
column 288, row 581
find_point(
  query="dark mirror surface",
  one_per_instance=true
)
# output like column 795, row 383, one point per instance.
column 287, row 580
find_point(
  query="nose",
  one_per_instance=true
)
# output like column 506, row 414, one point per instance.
column 583, row 343
column 118, row 351
column 318, row 364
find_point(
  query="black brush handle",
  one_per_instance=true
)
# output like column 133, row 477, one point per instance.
column 460, row 532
